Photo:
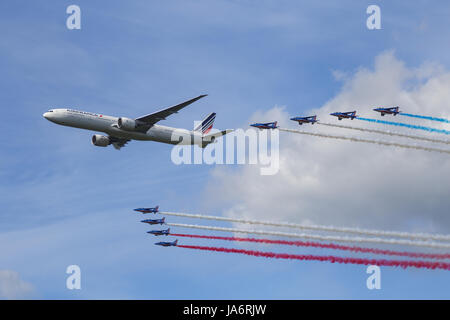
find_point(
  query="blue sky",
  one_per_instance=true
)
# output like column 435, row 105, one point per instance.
column 66, row 202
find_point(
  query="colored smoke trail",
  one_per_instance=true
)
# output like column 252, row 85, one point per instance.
column 323, row 246
column 428, row 244
column 380, row 142
column 399, row 124
column 424, row 117
column 332, row 259
column 367, row 232
column 389, row 133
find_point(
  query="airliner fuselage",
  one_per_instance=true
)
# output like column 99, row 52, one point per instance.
column 110, row 126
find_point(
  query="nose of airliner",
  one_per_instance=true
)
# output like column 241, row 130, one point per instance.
column 50, row 116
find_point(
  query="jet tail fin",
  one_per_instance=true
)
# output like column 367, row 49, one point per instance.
column 206, row 125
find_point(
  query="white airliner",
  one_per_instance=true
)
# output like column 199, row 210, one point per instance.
column 121, row 130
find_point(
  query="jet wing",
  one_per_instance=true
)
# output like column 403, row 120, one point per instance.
column 153, row 118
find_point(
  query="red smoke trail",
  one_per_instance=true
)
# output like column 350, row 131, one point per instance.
column 332, row 259
column 325, row 246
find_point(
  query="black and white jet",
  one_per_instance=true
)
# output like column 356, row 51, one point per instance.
column 120, row 131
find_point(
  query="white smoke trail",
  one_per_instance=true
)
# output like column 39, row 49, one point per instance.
column 389, row 133
column 319, row 237
column 366, row 232
column 380, row 142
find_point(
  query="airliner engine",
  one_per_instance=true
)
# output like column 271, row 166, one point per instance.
column 100, row 141
column 127, row 124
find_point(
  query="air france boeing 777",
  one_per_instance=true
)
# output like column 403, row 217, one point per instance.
column 121, row 130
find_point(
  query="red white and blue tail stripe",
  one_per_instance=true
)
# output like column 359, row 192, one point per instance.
column 206, row 124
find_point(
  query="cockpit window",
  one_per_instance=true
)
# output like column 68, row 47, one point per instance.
column 50, row 111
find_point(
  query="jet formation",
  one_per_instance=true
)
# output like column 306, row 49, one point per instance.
column 121, row 130
column 313, row 119
column 156, row 221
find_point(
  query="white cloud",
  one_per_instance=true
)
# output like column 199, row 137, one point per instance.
column 347, row 183
column 12, row 287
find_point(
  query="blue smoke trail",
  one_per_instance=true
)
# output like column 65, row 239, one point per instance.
column 424, row 117
column 411, row 126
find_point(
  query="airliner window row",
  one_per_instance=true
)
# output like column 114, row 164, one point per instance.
column 83, row 112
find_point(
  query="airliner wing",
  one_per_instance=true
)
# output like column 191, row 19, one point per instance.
column 153, row 118
column 118, row 142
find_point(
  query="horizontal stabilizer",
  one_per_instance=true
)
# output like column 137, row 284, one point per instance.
column 211, row 138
